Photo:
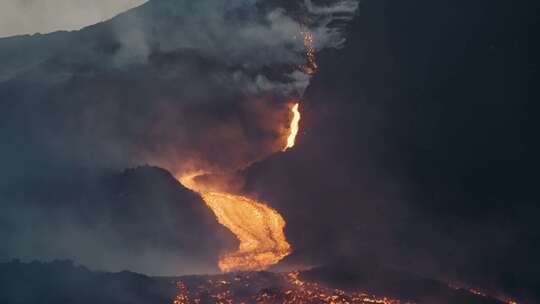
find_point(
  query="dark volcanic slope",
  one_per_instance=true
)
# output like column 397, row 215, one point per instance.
column 141, row 219
column 149, row 203
column 418, row 145
column 62, row 282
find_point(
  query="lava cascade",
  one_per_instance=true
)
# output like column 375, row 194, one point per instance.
column 294, row 127
column 258, row 227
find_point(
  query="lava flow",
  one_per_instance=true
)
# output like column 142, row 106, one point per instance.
column 293, row 129
column 258, row 227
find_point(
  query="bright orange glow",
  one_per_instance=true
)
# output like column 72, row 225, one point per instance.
column 310, row 292
column 294, row 127
column 286, row 288
column 258, row 227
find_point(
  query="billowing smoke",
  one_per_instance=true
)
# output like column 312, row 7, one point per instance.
column 249, row 37
column 170, row 83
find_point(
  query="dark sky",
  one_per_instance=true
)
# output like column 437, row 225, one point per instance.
column 418, row 148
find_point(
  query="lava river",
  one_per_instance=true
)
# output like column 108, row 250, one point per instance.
column 257, row 226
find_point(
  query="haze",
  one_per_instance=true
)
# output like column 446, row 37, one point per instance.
column 18, row 17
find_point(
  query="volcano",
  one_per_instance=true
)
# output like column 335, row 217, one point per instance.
column 319, row 151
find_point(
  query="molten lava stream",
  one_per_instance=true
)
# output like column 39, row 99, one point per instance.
column 258, row 227
column 293, row 128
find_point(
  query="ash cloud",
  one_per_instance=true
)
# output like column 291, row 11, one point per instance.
column 246, row 36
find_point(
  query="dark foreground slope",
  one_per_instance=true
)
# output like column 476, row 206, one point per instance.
column 140, row 219
column 63, row 282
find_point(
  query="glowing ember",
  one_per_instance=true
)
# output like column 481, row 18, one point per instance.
column 309, row 292
column 258, row 227
column 293, row 129
column 287, row 288
column 311, row 66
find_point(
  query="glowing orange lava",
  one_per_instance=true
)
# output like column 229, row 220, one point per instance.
column 293, row 129
column 287, row 288
column 258, row 227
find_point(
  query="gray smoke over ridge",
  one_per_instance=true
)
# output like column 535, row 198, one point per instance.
column 244, row 35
